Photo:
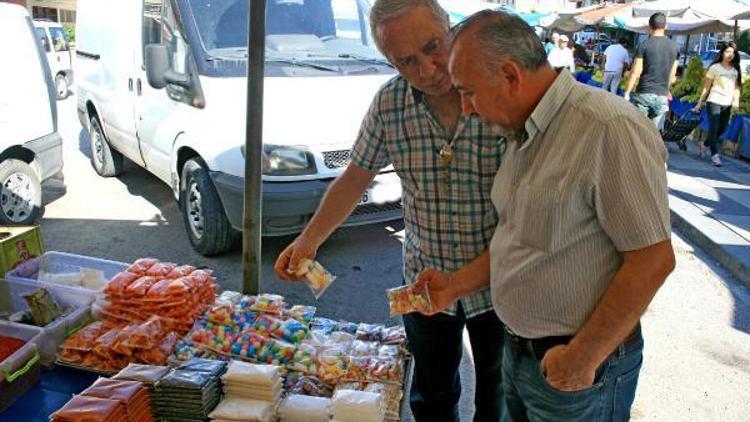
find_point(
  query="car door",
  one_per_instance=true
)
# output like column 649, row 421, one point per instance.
column 156, row 108
column 60, row 47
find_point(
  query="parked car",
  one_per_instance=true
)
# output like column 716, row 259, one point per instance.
column 583, row 37
column 708, row 57
column 30, row 146
column 162, row 83
column 55, row 45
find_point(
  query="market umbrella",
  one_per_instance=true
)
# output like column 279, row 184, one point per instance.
column 251, row 227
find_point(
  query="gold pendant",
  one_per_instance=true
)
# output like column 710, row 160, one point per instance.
column 446, row 154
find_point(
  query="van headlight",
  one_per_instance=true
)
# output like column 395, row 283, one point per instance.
column 287, row 161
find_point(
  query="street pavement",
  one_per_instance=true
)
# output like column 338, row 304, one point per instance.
column 697, row 357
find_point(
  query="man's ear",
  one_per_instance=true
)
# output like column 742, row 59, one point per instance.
column 513, row 76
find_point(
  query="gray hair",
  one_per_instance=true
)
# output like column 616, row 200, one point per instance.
column 502, row 36
column 384, row 10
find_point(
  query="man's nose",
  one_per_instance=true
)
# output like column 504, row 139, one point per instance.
column 426, row 66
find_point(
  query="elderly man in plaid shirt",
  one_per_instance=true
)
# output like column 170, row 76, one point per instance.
column 446, row 163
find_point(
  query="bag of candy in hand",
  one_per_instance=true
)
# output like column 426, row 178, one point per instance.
column 407, row 299
column 317, row 278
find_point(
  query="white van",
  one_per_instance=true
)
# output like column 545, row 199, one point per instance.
column 322, row 71
column 55, row 44
column 30, row 147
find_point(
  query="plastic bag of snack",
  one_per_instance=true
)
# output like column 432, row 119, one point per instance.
column 158, row 355
column 311, row 386
column 146, row 335
column 324, row 324
column 202, row 276
column 71, row 356
column 121, row 341
column 268, row 303
column 394, row 335
column 161, row 269
column 407, row 299
column 142, row 265
column 370, row 332
column 317, row 278
column 301, row 313
column 103, row 344
column 120, row 281
column 386, row 369
column 229, row 297
column 221, row 314
column 363, row 348
column 140, row 286
column 181, row 271
column 348, row 327
column 305, row 359
column 168, row 288
column 84, row 339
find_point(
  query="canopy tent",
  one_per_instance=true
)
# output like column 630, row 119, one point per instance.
column 574, row 21
column 708, row 9
column 459, row 10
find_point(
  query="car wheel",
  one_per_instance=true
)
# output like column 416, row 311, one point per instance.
column 61, row 87
column 107, row 161
column 20, row 193
column 206, row 222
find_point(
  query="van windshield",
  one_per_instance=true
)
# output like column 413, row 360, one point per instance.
column 309, row 29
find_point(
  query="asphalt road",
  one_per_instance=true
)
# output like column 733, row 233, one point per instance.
column 697, row 356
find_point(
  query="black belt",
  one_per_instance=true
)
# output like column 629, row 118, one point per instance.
column 537, row 347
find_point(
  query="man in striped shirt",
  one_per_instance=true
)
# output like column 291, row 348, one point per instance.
column 446, row 163
column 583, row 239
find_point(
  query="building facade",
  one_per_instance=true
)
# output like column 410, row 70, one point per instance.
column 63, row 11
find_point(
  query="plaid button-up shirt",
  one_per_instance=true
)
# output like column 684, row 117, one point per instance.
column 448, row 213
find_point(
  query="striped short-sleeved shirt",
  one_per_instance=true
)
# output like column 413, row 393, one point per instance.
column 588, row 183
column 448, row 213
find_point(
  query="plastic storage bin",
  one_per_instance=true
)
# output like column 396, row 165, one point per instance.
column 57, row 263
column 55, row 332
column 21, row 370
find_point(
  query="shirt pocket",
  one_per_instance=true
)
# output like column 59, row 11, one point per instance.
column 539, row 209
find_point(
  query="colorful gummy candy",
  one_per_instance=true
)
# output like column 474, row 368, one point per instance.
column 407, row 299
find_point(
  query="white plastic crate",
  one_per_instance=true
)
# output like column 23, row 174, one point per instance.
column 55, row 333
column 58, row 263
column 21, row 370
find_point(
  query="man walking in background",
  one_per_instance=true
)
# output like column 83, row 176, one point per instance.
column 656, row 66
column 616, row 60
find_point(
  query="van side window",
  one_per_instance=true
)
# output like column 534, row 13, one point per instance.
column 161, row 26
column 58, row 39
column 42, row 34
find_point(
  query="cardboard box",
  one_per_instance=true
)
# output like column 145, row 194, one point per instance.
column 17, row 244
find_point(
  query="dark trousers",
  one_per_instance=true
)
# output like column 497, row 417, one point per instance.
column 718, row 117
column 437, row 345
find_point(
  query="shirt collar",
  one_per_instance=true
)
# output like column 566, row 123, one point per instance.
column 550, row 104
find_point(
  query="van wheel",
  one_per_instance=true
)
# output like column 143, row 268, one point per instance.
column 206, row 223
column 61, row 87
column 20, row 193
column 107, row 162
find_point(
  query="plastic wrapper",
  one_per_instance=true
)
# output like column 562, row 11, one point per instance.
column 147, row 374
column 407, row 299
column 363, row 348
column 140, row 286
column 317, row 278
column 221, row 313
column 268, row 303
column 159, row 354
column 248, row 373
column 301, row 313
column 357, row 405
column 121, row 341
column 43, row 309
column 389, row 350
column 228, row 297
column 324, row 324
column 305, row 359
column 92, row 279
column 83, row 408
column 146, row 335
column 161, row 269
column 311, row 386
column 253, row 346
column 394, row 335
column 240, row 409
column 386, row 369
column 181, row 271
column 348, row 327
column 210, row 366
column 303, row 408
column 103, row 344
column 217, row 337
column 333, row 364
column 142, row 265
column 289, row 330
column 84, row 339
column 370, row 332
column 170, row 288
column 120, row 282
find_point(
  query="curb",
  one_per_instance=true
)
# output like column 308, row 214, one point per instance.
column 725, row 258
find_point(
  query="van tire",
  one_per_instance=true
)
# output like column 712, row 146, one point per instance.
column 107, row 161
column 206, row 222
column 62, row 90
column 20, row 193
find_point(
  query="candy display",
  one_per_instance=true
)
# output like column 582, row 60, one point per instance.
column 289, row 330
column 317, row 278
column 407, row 299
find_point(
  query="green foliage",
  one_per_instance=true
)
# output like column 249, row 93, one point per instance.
column 689, row 87
column 743, row 41
column 745, row 97
column 70, row 32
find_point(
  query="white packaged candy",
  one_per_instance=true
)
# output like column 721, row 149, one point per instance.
column 249, row 373
column 317, row 278
column 300, row 408
column 235, row 409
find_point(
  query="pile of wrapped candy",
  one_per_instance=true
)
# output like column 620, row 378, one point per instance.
column 149, row 287
column 110, row 345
